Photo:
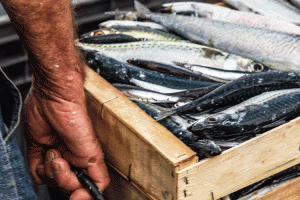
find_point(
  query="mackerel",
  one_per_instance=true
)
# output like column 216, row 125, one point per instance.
column 251, row 115
column 178, row 126
column 113, row 23
column 277, row 50
column 225, row 14
column 279, row 9
column 168, row 69
column 108, row 39
column 115, row 71
column 168, row 52
column 219, row 75
column 141, row 33
column 137, row 93
column 239, row 90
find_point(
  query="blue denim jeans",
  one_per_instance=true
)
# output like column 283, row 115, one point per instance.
column 15, row 182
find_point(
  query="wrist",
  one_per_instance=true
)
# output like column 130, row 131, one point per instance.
column 68, row 85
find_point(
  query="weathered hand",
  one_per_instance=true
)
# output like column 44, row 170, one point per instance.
column 59, row 132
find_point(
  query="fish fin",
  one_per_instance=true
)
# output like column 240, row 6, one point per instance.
column 140, row 8
column 164, row 115
column 170, row 7
column 180, row 64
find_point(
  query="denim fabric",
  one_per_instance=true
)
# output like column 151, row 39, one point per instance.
column 15, row 182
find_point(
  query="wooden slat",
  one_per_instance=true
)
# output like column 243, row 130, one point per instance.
column 252, row 161
column 133, row 142
column 120, row 188
column 288, row 191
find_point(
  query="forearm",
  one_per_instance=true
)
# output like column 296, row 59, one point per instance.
column 46, row 30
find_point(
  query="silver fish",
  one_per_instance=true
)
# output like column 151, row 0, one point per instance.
column 115, row 71
column 137, row 93
column 168, row 52
column 251, row 115
column 278, row 50
column 279, row 9
column 111, row 23
column 219, row 75
column 222, row 13
column 144, row 33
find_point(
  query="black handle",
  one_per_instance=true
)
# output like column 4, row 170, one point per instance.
column 87, row 183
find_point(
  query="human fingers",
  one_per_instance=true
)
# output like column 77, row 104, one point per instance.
column 64, row 176
column 81, row 194
column 35, row 161
column 98, row 172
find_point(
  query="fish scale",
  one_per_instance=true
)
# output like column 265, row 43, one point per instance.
column 251, row 115
column 115, row 71
column 168, row 52
column 275, row 49
column 279, row 9
column 239, row 90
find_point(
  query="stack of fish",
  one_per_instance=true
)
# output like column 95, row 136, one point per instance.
column 215, row 78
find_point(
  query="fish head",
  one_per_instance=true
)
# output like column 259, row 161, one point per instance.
column 207, row 148
column 210, row 122
column 102, row 31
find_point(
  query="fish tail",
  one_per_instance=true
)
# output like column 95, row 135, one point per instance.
column 141, row 9
column 165, row 114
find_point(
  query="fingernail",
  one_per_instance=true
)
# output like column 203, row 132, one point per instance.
column 51, row 156
column 56, row 167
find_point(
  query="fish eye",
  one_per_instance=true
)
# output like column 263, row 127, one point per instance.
column 257, row 67
column 211, row 119
column 99, row 33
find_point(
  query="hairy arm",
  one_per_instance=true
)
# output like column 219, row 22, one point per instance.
column 59, row 130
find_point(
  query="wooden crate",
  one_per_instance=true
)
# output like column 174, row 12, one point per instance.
column 163, row 167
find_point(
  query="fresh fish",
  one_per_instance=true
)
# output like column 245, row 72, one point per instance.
column 206, row 148
column 178, row 126
column 239, row 90
column 185, row 94
column 226, row 14
column 168, row 69
column 279, row 9
column 138, row 32
column 168, row 52
column 113, row 23
column 115, row 71
column 296, row 3
column 137, row 93
column 196, row 93
column 108, row 39
column 219, row 75
column 250, row 115
column 277, row 50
